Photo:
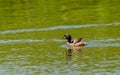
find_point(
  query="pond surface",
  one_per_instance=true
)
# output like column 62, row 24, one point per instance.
column 31, row 37
column 42, row 51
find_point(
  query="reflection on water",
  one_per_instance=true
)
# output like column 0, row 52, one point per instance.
column 70, row 52
column 50, row 57
column 91, row 43
column 58, row 27
column 51, row 60
column 20, row 41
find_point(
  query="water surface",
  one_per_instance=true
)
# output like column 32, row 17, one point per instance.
column 31, row 37
column 47, row 56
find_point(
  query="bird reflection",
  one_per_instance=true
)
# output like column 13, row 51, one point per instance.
column 73, row 50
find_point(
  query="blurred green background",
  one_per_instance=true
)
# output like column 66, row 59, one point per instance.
column 17, row 14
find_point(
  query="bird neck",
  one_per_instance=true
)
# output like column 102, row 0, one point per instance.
column 69, row 40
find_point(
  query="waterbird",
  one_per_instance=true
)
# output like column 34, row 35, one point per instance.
column 77, row 43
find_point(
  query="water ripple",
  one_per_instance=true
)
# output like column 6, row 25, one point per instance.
column 29, row 41
column 92, row 43
column 106, row 40
column 19, row 41
column 57, row 27
column 102, row 43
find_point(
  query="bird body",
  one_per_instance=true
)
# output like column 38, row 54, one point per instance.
column 75, row 42
column 75, row 45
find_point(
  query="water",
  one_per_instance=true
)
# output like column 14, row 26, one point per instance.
column 31, row 37
column 58, row 27
column 47, row 56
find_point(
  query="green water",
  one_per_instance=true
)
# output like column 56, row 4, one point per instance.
column 31, row 37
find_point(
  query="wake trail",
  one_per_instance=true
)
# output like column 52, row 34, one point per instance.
column 57, row 27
